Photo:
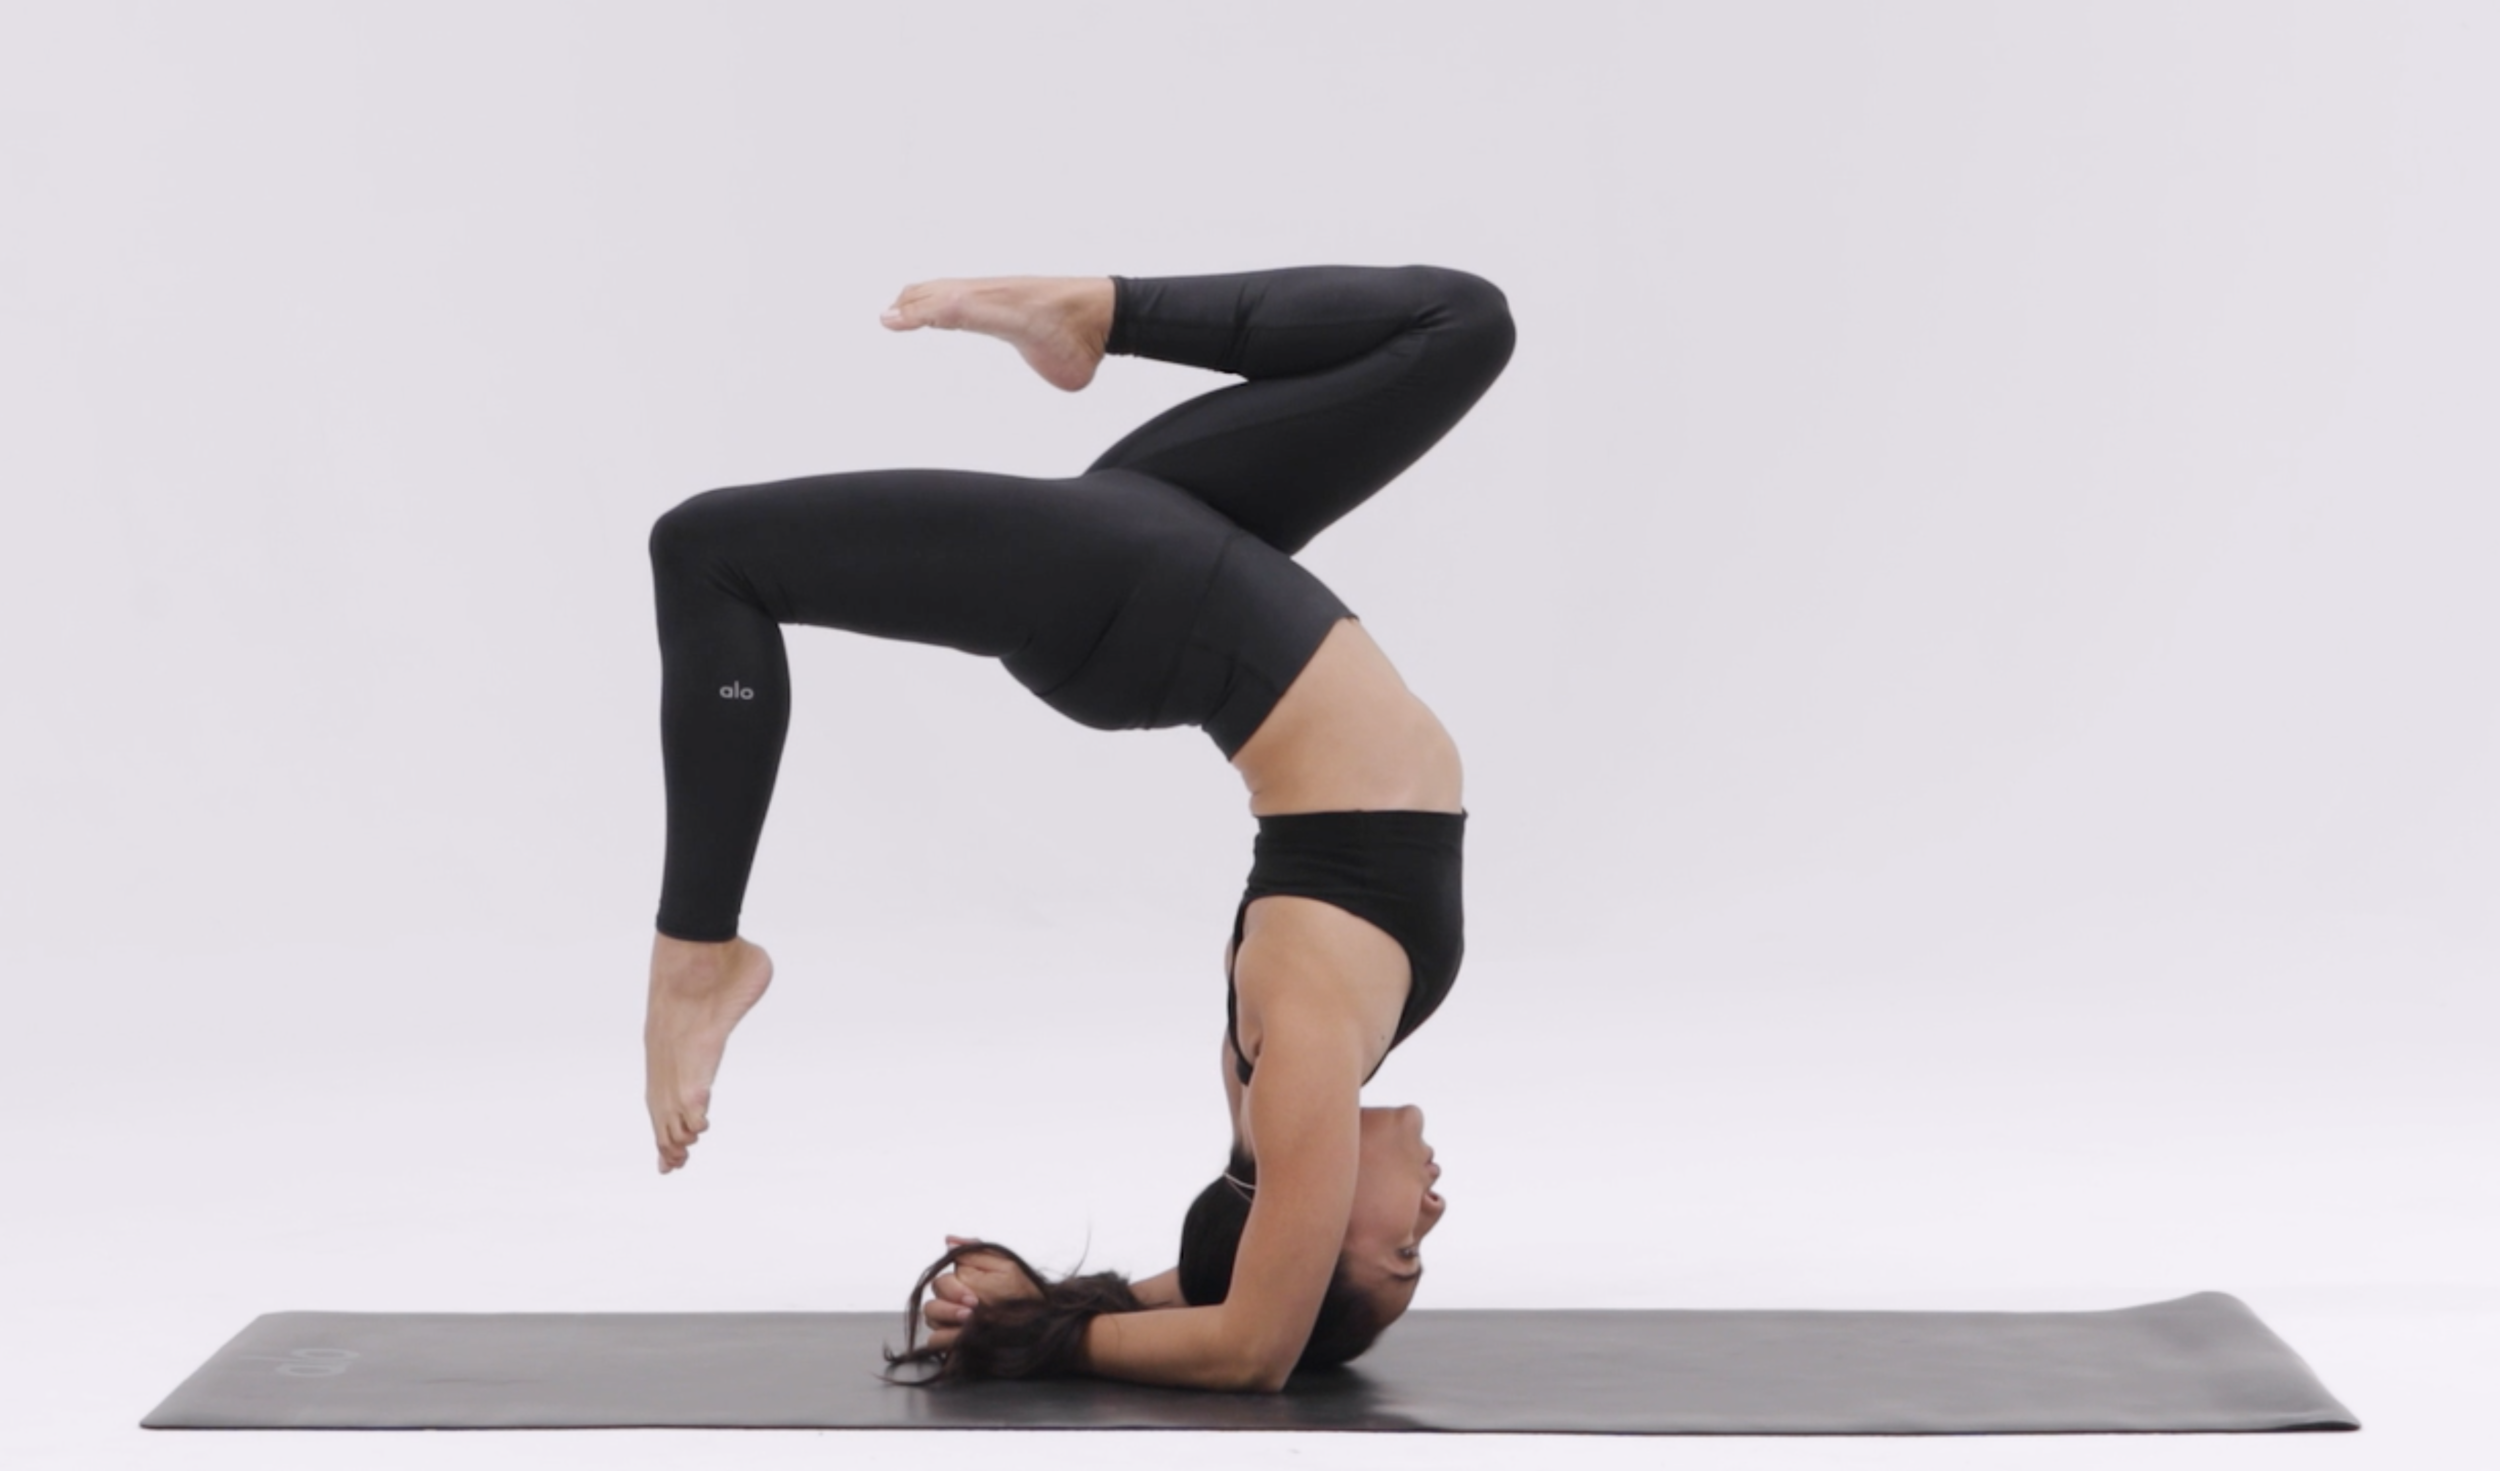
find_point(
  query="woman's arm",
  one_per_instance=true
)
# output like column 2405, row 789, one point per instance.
column 1305, row 1111
column 1162, row 1290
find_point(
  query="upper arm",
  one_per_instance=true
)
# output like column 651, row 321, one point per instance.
column 1305, row 1112
column 1304, row 1118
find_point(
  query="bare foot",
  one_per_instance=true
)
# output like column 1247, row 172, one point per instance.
column 698, row 993
column 1059, row 323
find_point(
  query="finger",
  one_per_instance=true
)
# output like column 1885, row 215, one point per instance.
column 980, row 1274
column 997, row 1286
column 952, row 1288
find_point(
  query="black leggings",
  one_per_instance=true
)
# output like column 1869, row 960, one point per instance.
column 1156, row 589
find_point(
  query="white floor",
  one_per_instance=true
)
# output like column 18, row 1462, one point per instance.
column 1991, row 1124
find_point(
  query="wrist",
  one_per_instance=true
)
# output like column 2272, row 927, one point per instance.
column 1089, row 1344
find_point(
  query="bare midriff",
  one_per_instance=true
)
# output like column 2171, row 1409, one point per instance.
column 1348, row 735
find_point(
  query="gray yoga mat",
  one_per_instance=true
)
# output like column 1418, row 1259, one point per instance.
column 2198, row 1363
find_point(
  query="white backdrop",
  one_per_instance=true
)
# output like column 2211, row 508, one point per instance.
column 1969, row 618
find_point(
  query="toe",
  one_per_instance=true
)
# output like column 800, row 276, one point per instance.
column 906, row 312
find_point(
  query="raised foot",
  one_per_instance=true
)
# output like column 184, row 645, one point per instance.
column 1059, row 323
column 699, row 993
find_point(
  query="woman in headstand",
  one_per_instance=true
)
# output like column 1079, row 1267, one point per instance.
column 1155, row 589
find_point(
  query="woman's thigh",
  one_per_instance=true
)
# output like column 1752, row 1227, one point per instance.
column 1085, row 588
column 980, row 562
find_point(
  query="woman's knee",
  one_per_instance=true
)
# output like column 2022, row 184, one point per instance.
column 685, row 535
column 1475, row 317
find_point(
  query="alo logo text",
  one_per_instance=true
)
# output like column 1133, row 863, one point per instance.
column 736, row 692
column 310, row 1363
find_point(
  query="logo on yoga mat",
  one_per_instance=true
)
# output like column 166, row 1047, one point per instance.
column 736, row 692
column 310, row 1363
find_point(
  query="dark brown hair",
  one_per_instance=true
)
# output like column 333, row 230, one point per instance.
column 1030, row 1338
column 1015, row 1338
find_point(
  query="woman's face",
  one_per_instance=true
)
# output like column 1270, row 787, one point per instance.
column 1396, row 1205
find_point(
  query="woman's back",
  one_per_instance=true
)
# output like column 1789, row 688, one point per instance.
column 1348, row 735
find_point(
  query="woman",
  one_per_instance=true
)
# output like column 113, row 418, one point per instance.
column 1155, row 589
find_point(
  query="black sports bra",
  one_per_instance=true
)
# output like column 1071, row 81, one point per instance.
column 1398, row 868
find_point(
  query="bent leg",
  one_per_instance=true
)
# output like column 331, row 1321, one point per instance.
column 981, row 563
column 1355, row 371
column 932, row 556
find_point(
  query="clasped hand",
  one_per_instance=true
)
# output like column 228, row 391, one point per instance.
column 978, row 1277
